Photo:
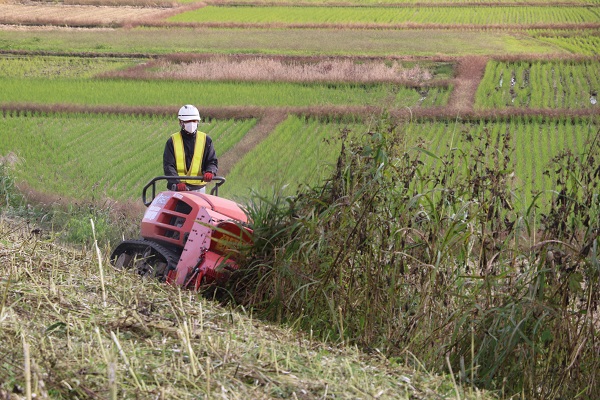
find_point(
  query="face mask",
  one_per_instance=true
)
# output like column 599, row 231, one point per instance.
column 191, row 127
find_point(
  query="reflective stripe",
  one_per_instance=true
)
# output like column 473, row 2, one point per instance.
column 196, row 167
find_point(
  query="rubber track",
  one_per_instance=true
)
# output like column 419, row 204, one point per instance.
column 139, row 246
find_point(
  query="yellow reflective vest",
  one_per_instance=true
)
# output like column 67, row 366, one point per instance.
column 196, row 165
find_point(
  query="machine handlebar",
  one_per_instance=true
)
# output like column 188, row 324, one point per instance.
column 218, row 181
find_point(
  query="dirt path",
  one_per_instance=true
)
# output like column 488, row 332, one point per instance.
column 469, row 73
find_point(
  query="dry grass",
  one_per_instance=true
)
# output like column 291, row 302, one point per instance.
column 73, row 327
column 224, row 68
column 74, row 15
column 469, row 73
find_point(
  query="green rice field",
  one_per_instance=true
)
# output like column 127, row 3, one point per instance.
column 535, row 142
column 115, row 92
column 497, row 15
column 585, row 44
column 540, row 84
column 115, row 156
column 100, row 155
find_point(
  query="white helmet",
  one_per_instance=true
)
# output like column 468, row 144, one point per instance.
column 188, row 113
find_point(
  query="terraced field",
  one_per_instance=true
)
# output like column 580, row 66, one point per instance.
column 437, row 65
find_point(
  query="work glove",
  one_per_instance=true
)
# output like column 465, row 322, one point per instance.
column 180, row 187
column 208, row 176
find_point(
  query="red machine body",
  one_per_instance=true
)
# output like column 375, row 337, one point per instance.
column 187, row 239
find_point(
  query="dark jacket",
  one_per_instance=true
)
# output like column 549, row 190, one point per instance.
column 209, row 160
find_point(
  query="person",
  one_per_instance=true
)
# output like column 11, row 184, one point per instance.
column 189, row 153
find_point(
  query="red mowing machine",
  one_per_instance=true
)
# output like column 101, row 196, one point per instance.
column 187, row 238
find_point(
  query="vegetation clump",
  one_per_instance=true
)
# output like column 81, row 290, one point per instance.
column 408, row 253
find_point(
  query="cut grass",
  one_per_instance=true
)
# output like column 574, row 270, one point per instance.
column 71, row 326
column 276, row 41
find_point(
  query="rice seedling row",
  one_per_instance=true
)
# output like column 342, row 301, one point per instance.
column 168, row 93
column 497, row 15
column 540, row 84
column 227, row 133
column 295, row 152
column 535, row 142
column 580, row 43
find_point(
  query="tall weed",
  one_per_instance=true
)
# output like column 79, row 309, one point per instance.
column 410, row 253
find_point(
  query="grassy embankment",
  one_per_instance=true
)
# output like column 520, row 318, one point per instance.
column 71, row 326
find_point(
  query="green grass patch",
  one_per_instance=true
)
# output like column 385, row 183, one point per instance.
column 50, row 67
column 278, row 41
column 497, row 15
